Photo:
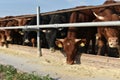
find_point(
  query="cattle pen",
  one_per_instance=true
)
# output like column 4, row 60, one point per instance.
column 27, row 59
column 88, row 24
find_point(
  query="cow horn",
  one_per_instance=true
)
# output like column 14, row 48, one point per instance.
column 99, row 17
column 60, row 40
column 76, row 40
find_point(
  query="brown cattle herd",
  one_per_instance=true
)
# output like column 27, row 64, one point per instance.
column 97, row 40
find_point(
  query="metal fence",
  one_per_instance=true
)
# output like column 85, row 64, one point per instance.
column 85, row 24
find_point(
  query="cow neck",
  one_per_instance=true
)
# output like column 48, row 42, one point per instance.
column 72, row 32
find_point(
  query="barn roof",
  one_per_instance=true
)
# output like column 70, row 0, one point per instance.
column 62, row 11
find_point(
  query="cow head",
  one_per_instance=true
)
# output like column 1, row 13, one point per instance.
column 108, row 35
column 70, row 47
column 106, row 14
column 111, row 33
column 113, row 42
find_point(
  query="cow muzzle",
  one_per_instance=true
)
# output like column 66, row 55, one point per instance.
column 113, row 42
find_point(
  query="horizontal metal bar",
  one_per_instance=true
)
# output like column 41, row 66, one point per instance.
column 85, row 24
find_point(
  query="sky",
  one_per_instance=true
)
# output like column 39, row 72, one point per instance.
column 25, row 7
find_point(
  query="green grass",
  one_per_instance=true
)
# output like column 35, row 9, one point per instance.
column 8, row 72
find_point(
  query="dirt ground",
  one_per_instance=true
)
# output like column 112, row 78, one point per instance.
column 92, row 67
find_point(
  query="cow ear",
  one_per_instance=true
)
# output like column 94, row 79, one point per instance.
column 59, row 43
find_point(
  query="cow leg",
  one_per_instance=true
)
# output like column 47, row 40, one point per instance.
column 102, row 48
column 118, row 51
column 2, row 44
column 78, row 58
column 33, row 41
column 87, row 45
column 43, row 40
column 93, row 44
column 6, row 44
column 101, row 51
column 90, row 47
column 113, row 52
column 4, row 41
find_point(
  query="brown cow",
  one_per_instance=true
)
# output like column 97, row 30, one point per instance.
column 83, row 35
column 4, row 34
column 3, row 38
column 17, row 34
column 11, row 35
column 108, row 37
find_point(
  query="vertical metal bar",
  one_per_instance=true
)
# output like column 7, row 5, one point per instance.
column 38, row 32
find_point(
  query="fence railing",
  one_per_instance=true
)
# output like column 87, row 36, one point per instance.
column 85, row 24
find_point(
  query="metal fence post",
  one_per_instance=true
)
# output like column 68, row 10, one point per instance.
column 38, row 32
